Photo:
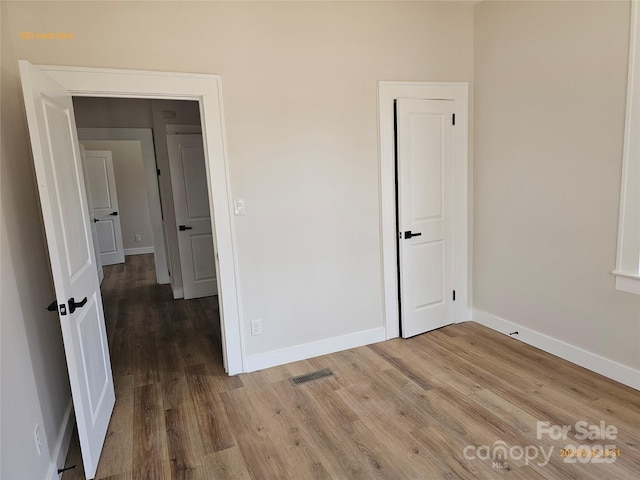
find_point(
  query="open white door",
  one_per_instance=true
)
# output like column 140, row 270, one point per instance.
column 58, row 165
column 104, row 196
column 425, row 213
column 191, row 201
column 92, row 218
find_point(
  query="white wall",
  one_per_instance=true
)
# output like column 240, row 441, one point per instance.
column 550, row 106
column 133, row 205
column 300, row 93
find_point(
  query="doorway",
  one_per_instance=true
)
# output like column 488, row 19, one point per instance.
column 169, row 184
column 207, row 91
column 56, row 155
column 388, row 94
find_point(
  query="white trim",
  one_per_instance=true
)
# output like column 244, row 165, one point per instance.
column 387, row 93
column 62, row 444
column 628, row 256
column 138, row 251
column 591, row 361
column 178, row 293
column 305, row 351
column 627, row 283
column 145, row 137
column 207, row 90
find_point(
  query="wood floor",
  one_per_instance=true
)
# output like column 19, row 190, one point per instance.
column 437, row 406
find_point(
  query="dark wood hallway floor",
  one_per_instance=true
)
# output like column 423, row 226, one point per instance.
column 437, row 406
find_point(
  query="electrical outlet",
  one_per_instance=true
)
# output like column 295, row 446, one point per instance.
column 138, row 237
column 38, row 434
column 256, row 327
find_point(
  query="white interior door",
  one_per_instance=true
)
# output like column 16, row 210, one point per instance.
column 58, row 165
column 92, row 218
column 425, row 142
column 193, row 220
column 104, row 197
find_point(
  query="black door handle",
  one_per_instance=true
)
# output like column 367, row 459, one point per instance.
column 95, row 220
column 73, row 305
column 408, row 234
column 182, row 228
column 114, row 214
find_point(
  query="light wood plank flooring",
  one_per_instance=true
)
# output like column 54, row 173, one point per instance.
column 402, row 409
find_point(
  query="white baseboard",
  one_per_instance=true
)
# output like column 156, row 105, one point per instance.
column 62, row 444
column 138, row 251
column 305, row 351
column 178, row 293
column 591, row 361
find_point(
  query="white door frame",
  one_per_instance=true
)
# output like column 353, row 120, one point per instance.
column 145, row 137
column 207, row 91
column 387, row 93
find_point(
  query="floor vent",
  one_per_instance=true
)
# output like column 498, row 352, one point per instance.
column 309, row 377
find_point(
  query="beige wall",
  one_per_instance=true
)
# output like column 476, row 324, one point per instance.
column 300, row 95
column 550, row 92
column 133, row 206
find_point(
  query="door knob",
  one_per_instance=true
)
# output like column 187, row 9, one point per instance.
column 95, row 220
column 73, row 305
column 182, row 228
column 114, row 214
column 408, row 234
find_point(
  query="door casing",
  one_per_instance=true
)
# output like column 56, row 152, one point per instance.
column 388, row 92
column 207, row 91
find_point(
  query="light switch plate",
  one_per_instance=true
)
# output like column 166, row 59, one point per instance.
column 239, row 207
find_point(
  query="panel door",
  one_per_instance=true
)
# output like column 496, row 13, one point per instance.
column 193, row 220
column 425, row 213
column 104, row 197
column 59, row 172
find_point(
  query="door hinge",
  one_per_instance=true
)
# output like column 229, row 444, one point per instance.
column 453, row 119
column 158, row 171
column 454, row 295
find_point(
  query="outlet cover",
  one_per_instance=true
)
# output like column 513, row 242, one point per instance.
column 138, row 238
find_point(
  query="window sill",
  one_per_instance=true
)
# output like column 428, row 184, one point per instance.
column 627, row 282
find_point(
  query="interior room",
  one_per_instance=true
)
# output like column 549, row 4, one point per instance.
column 375, row 314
